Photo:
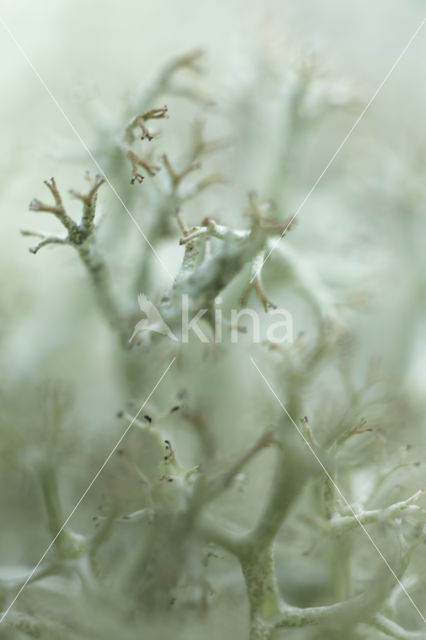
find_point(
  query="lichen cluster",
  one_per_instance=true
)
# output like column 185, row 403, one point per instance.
column 295, row 506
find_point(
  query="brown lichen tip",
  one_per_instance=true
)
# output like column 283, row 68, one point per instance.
column 95, row 183
column 137, row 177
column 35, row 205
column 156, row 113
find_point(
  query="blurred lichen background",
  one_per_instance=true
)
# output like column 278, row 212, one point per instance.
column 261, row 489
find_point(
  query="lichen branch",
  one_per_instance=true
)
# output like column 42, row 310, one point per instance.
column 46, row 239
column 57, row 209
column 67, row 543
column 224, row 478
column 341, row 524
column 89, row 202
column 82, row 237
column 175, row 176
column 394, row 630
column 163, row 82
column 256, row 284
column 140, row 120
column 137, row 161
